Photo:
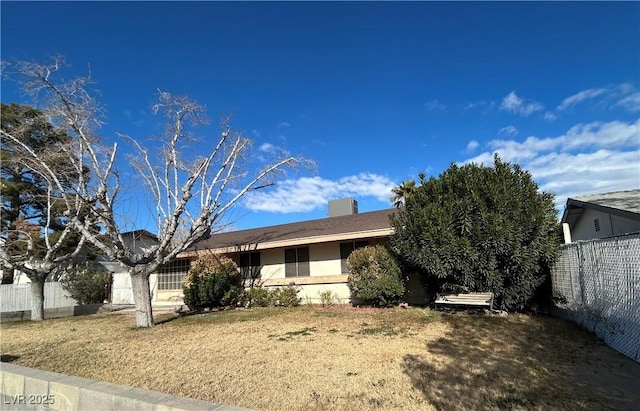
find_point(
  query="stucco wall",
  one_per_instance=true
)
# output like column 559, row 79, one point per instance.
column 610, row 225
column 310, row 293
column 272, row 266
column 324, row 259
column 325, row 274
column 624, row 225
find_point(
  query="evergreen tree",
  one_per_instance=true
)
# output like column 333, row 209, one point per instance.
column 478, row 228
column 24, row 192
column 37, row 238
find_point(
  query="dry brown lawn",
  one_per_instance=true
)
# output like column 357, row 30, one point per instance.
column 339, row 358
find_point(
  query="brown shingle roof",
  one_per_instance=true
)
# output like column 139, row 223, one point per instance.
column 356, row 223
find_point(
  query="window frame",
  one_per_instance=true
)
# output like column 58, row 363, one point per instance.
column 296, row 262
column 249, row 263
column 171, row 275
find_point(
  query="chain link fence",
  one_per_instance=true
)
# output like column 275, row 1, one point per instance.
column 597, row 285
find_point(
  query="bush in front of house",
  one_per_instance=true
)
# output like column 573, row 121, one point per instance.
column 375, row 277
column 212, row 281
column 86, row 284
column 286, row 296
column 478, row 228
column 259, row 296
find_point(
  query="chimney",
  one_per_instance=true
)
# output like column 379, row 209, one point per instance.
column 343, row 206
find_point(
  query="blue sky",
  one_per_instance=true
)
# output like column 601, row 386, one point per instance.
column 374, row 92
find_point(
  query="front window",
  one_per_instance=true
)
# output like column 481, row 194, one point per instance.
column 296, row 262
column 170, row 275
column 250, row 265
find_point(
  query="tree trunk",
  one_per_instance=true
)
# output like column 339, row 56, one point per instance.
column 142, row 298
column 37, row 299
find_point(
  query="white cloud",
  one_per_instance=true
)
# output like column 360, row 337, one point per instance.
column 310, row 193
column 508, row 131
column 284, row 124
column 516, row 105
column 472, row 145
column 480, row 104
column 549, row 116
column 630, row 102
column 268, row 151
column 626, row 88
column 621, row 95
column 267, row 147
column 588, row 158
column 580, row 97
column 434, row 105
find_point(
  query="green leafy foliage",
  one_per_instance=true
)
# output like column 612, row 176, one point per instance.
column 375, row 277
column 212, row 281
column 87, row 285
column 259, row 296
column 478, row 228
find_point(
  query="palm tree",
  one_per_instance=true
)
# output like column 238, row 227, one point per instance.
column 402, row 192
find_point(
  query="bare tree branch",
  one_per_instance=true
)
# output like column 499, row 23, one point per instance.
column 192, row 192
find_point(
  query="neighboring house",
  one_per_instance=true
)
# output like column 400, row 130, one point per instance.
column 601, row 215
column 121, row 291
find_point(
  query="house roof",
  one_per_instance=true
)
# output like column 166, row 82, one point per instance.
column 138, row 234
column 355, row 226
column 621, row 203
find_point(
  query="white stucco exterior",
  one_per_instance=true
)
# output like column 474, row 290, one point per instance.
column 325, row 273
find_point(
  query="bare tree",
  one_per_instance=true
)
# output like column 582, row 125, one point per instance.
column 191, row 193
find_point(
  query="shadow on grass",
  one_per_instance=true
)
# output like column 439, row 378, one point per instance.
column 227, row 316
column 519, row 362
column 165, row 318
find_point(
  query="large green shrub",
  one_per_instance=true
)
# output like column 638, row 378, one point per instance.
column 87, row 285
column 479, row 228
column 212, row 281
column 375, row 277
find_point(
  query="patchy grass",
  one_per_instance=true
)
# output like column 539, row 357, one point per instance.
column 384, row 329
column 339, row 358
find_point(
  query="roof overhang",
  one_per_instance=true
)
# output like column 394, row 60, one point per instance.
column 294, row 242
column 575, row 208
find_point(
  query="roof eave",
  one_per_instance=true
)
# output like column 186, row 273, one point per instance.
column 376, row 233
column 573, row 205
